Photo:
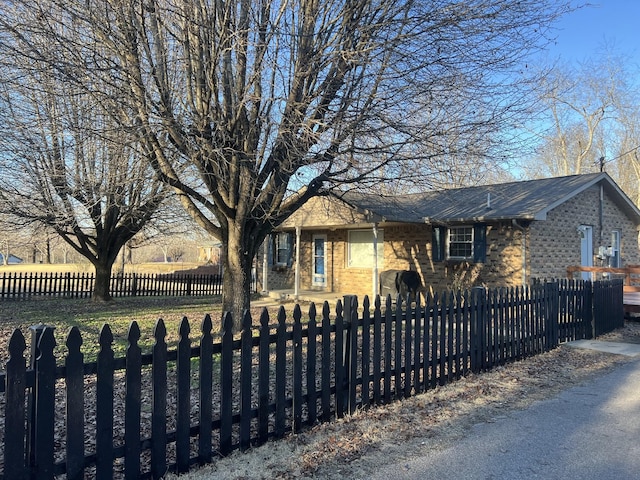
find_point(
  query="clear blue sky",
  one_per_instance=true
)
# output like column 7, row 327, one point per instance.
column 583, row 33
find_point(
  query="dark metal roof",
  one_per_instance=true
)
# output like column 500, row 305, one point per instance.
column 526, row 200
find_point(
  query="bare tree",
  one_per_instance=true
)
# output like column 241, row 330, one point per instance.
column 582, row 105
column 591, row 122
column 169, row 233
column 67, row 167
column 624, row 161
column 620, row 140
column 249, row 108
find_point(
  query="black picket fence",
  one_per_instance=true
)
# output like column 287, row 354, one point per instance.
column 167, row 410
column 20, row 285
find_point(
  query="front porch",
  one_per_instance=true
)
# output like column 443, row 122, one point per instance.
column 307, row 296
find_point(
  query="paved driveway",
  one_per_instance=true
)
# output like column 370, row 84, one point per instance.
column 588, row 432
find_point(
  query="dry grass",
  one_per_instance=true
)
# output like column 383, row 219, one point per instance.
column 87, row 267
column 90, row 316
column 354, row 447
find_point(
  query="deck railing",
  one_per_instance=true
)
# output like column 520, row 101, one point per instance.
column 630, row 274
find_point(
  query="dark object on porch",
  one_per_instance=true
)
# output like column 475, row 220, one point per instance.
column 399, row 282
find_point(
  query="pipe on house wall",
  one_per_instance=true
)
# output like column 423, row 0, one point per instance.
column 515, row 224
column 601, row 212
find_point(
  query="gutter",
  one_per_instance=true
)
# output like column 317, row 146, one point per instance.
column 477, row 219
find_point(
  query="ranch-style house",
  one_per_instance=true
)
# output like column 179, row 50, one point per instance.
column 495, row 235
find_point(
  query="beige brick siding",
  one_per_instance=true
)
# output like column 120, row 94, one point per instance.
column 551, row 246
column 408, row 247
column 555, row 242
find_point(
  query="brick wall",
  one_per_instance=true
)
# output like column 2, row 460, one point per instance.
column 555, row 242
column 409, row 247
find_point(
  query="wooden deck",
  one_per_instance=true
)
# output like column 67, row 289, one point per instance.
column 631, row 301
column 631, row 275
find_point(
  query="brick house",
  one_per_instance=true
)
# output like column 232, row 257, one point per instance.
column 495, row 235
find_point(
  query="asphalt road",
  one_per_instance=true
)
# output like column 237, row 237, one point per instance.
column 588, row 432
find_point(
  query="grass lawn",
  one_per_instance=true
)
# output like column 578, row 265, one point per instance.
column 90, row 316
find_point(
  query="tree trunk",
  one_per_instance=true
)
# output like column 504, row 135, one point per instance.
column 101, row 291
column 236, row 280
column 48, row 252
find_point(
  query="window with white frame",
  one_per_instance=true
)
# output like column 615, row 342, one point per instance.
column 460, row 242
column 282, row 246
column 614, row 258
column 360, row 249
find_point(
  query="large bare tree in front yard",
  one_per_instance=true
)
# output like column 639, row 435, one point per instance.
column 249, row 108
column 67, row 166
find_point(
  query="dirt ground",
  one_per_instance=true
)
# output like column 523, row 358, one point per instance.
column 355, row 446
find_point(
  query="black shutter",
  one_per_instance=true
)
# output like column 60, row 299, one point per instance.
column 479, row 243
column 290, row 244
column 437, row 244
column 270, row 248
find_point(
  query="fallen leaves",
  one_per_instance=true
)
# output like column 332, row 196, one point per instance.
column 355, row 446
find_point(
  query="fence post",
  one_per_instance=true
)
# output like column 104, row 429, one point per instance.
column 36, row 333
column 552, row 292
column 226, row 384
column 587, row 314
column 351, row 351
column 600, row 321
column 281, row 374
column 14, row 450
column 618, row 300
column 477, row 335
column 339, row 362
column 40, row 443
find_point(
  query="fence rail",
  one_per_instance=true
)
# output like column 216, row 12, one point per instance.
column 22, row 285
column 157, row 412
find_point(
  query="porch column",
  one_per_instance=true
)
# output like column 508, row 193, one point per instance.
column 265, row 261
column 297, row 269
column 375, row 261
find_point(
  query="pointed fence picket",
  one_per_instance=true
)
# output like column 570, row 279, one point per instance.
column 157, row 412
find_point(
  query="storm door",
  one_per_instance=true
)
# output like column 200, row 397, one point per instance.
column 586, row 249
column 319, row 276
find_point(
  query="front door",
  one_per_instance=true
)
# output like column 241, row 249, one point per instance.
column 586, row 249
column 319, row 277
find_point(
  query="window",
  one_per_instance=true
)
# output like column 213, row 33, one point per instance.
column 462, row 242
column 281, row 248
column 360, row 249
column 614, row 259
